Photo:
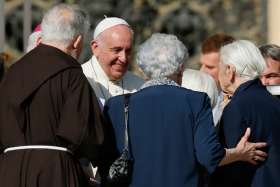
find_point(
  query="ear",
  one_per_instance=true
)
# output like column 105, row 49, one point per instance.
column 231, row 71
column 78, row 41
column 94, row 47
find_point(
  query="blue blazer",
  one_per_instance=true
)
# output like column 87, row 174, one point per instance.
column 171, row 133
column 251, row 106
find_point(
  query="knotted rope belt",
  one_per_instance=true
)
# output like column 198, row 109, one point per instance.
column 48, row 147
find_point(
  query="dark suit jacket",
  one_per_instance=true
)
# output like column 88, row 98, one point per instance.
column 172, row 135
column 251, row 106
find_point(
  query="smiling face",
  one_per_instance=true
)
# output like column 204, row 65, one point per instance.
column 271, row 74
column 113, row 50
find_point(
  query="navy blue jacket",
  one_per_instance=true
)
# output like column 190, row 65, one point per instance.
column 251, row 106
column 172, row 135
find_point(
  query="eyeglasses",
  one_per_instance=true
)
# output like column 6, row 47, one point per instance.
column 243, row 74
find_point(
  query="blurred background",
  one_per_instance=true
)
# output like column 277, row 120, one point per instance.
column 191, row 20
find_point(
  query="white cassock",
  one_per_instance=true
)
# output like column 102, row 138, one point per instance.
column 105, row 88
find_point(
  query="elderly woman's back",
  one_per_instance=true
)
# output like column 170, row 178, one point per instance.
column 164, row 136
column 162, row 117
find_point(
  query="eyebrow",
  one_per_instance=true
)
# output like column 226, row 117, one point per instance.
column 272, row 73
column 115, row 48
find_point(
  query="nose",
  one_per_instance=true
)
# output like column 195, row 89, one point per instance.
column 123, row 56
column 203, row 69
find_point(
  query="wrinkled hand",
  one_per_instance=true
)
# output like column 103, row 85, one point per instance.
column 250, row 151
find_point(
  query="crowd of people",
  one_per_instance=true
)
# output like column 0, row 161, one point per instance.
column 63, row 124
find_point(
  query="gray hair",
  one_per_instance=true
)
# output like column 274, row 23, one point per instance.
column 161, row 55
column 202, row 82
column 62, row 23
column 246, row 58
column 270, row 51
column 32, row 40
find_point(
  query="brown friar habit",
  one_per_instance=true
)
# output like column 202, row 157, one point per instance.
column 46, row 100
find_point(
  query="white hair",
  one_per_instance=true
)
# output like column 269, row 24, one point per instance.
column 32, row 40
column 246, row 58
column 202, row 82
column 62, row 23
column 161, row 55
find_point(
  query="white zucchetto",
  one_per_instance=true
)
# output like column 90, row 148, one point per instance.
column 107, row 23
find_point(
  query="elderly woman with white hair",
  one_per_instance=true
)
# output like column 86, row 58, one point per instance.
column 201, row 82
column 251, row 106
column 170, row 128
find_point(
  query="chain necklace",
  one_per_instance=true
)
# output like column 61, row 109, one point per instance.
column 99, row 86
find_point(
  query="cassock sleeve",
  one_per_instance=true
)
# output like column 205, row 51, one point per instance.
column 208, row 150
column 81, row 123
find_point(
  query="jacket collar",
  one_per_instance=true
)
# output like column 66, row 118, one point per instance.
column 256, row 83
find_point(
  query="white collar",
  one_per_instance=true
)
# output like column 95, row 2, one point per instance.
column 98, row 71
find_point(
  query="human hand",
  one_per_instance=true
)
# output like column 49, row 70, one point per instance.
column 248, row 151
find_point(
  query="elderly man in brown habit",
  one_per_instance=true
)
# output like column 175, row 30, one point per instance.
column 49, row 115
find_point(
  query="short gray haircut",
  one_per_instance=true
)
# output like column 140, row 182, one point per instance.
column 201, row 82
column 62, row 23
column 161, row 55
column 270, row 51
column 245, row 56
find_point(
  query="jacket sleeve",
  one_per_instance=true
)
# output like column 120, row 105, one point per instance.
column 208, row 150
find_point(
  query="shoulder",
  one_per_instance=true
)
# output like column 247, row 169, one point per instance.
column 176, row 94
column 73, row 77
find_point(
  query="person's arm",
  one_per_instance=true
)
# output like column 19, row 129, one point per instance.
column 81, row 122
column 245, row 151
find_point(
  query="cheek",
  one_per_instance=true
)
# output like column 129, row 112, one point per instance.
column 109, row 60
column 275, row 81
column 223, row 79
